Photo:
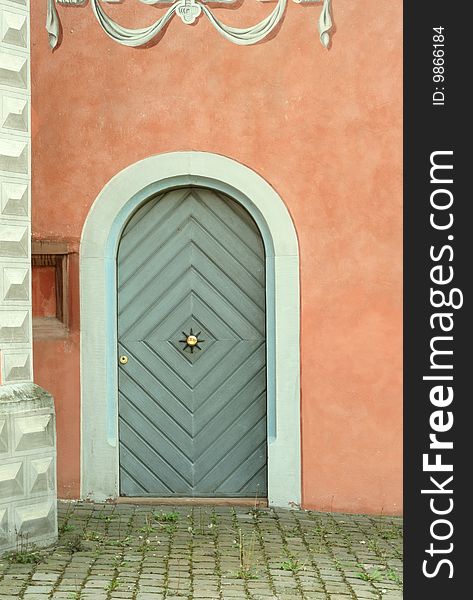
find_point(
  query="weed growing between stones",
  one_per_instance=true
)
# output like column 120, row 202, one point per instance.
column 291, row 560
column 393, row 575
column 106, row 518
column 147, row 529
column 65, row 527
column 75, row 544
column 166, row 517
column 91, row 536
column 300, row 553
column 374, row 575
column 391, row 533
column 123, row 543
column 246, row 550
column 292, row 564
column 113, row 585
column 24, row 553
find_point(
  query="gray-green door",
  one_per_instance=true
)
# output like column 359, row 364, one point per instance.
column 192, row 418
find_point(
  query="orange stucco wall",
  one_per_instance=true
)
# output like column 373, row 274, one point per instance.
column 44, row 292
column 323, row 127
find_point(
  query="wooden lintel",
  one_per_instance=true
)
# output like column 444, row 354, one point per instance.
column 64, row 246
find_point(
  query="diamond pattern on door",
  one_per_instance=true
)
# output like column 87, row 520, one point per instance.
column 192, row 419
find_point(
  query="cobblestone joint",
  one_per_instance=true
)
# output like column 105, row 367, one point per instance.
column 108, row 551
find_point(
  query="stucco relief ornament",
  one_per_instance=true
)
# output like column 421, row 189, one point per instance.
column 188, row 11
column 53, row 25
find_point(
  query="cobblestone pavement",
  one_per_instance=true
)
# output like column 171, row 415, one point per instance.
column 110, row 551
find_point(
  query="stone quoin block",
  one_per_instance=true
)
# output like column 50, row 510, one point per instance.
column 14, row 326
column 14, row 240
column 33, row 432
column 14, row 28
column 14, row 156
column 4, row 436
column 27, row 460
column 14, row 71
column 27, row 415
column 16, row 284
column 16, row 366
column 4, row 526
column 14, row 198
column 35, row 519
column 19, row 2
column 11, row 479
column 41, row 475
column 14, row 114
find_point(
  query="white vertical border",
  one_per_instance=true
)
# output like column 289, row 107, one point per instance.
column 122, row 195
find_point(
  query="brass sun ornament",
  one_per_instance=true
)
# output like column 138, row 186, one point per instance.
column 191, row 340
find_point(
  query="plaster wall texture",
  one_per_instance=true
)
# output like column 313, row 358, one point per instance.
column 27, row 430
column 323, row 128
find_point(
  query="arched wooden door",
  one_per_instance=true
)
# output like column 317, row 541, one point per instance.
column 191, row 348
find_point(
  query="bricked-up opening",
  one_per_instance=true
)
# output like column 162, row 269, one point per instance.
column 49, row 262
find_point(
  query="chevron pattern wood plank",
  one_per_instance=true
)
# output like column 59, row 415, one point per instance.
column 192, row 420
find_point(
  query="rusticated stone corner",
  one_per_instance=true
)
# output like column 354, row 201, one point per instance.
column 28, row 511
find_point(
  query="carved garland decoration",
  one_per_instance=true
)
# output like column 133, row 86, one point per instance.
column 188, row 11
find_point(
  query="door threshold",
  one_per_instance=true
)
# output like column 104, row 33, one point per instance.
column 167, row 501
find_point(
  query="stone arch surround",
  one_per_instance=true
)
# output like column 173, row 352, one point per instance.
column 120, row 197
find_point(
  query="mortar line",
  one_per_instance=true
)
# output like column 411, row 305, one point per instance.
column 289, row 555
column 311, row 557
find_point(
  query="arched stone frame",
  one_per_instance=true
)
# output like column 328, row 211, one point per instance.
column 121, row 196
